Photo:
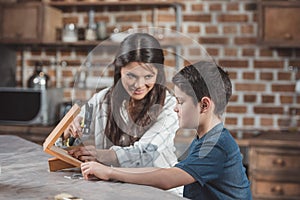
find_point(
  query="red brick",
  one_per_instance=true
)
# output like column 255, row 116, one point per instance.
column 283, row 88
column 65, row 52
column 245, row 40
column 264, row 121
column 231, row 120
column 236, row 109
column 68, row 20
column 197, row 7
column 232, row 75
column 36, row 52
column 250, row 98
column 229, row 29
column 230, row 52
column 266, row 52
column 248, row 52
column 129, row 18
column 286, row 99
column 268, row 99
column 233, row 98
column 268, row 110
column 164, row 18
column 232, row 18
column 247, row 29
column 50, row 52
column 268, row 64
column 232, row 6
column 193, row 29
column 32, row 62
column 248, row 121
column 197, row 18
column 213, row 40
column 284, row 76
column 194, row 51
column 67, row 73
column 213, row 51
column 211, row 29
column 268, row 76
column 215, row 7
column 81, row 53
column 250, row 87
column 234, row 63
column 284, row 122
column 249, row 75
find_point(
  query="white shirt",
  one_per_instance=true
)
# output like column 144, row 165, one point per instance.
column 154, row 149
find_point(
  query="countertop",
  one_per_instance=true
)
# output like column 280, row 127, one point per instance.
column 24, row 174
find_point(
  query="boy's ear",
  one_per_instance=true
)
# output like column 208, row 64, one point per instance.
column 205, row 103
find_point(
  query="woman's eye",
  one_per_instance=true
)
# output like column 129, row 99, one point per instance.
column 148, row 77
column 131, row 76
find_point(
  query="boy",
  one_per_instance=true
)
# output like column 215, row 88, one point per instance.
column 213, row 168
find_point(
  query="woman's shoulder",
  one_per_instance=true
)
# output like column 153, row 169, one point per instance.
column 169, row 98
column 99, row 96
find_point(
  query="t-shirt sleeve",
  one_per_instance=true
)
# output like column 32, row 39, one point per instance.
column 205, row 162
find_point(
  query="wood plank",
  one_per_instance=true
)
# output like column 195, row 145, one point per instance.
column 58, row 152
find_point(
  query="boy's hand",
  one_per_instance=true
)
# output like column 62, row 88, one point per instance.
column 89, row 169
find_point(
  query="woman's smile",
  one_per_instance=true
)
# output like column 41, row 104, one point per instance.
column 138, row 79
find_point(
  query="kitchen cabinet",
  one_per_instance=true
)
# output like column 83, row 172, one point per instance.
column 29, row 23
column 274, row 166
column 278, row 23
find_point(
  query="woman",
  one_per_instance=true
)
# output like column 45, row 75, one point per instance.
column 134, row 124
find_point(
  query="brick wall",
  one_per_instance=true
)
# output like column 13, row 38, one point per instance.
column 263, row 81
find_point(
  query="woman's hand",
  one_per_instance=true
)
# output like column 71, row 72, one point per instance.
column 89, row 169
column 84, row 153
column 74, row 129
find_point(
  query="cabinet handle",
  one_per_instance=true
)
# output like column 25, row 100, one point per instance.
column 279, row 162
column 288, row 36
column 277, row 190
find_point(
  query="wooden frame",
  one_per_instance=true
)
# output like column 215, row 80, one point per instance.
column 62, row 159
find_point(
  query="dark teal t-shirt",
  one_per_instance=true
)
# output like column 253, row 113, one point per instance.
column 215, row 162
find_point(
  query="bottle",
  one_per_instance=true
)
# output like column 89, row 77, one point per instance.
column 90, row 33
column 39, row 80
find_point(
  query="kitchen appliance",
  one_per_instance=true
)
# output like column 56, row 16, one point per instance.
column 39, row 79
column 28, row 106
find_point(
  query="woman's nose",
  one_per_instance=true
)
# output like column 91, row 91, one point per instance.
column 139, row 83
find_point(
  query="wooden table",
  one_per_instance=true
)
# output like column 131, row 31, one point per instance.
column 24, row 174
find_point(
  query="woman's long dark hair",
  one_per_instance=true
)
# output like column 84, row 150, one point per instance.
column 143, row 48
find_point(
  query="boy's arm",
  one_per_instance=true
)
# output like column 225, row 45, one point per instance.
column 163, row 178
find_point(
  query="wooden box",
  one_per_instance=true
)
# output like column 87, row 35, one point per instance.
column 279, row 23
column 29, row 23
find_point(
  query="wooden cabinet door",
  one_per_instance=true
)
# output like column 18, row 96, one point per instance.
column 21, row 23
column 279, row 23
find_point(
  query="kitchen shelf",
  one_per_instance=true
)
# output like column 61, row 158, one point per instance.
column 154, row 4
column 111, row 3
column 166, row 42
